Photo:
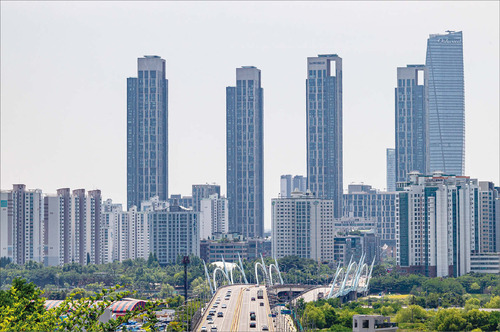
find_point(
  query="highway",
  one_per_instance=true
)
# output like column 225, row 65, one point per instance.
column 236, row 315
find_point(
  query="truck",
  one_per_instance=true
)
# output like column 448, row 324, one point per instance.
column 260, row 294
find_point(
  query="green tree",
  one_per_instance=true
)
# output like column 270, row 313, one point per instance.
column 493, row 303
column 449, row 320
column 472, row 303
column 412, row 314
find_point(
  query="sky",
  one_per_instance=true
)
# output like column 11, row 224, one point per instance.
column 64, row 67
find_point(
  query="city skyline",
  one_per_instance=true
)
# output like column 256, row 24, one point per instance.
column 106, row 169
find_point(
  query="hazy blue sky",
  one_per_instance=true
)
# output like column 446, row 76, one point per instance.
column 64, row 67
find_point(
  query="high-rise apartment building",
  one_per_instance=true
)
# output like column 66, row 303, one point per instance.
column 445, row 91
column 22, row 224
column 411, row 122
column 303, row 225
column 288, row 184
column 364, row 202
column 245, row 157
column 147, row 132
column 213, row 216
column 488, row 225
column 202, row 191
column 324, row 128
column 436, row 219
column 173, row 232
column 391, row 169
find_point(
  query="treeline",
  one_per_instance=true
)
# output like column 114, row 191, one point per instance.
column 329, row 315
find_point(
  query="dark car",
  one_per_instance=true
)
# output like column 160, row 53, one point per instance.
column 253, row 298
column 262, row 304
column 252, row 324
column 220, row 314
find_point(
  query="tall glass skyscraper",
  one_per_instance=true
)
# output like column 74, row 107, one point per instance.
column 411, row 122
column 391, row 169
column 147, row 132
column 324, row 128
column 245, row 157
column 445, row 86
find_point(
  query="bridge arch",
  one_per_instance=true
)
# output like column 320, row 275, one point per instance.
column 224, row 274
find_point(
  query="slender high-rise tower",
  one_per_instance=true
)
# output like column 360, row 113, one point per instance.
column 411, row 122
column 324, row 128
column 445, row 89
column 245, row 153
column 391, row 169
column 147, row 132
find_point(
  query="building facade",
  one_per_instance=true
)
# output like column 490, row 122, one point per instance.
column 445, row 91
column 411, row 122
column 173, row 232
column 214, row 216
column 324, row 128
column 245, row 157
column 201, row 191
column 147, row 132
column 303, row 226
column 364, row 202
column 289, row 183
column 391, row 169
column 488, row 219
column 436, row 224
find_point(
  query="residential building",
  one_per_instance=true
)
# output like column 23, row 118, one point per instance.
column 245, row 157
column 184, row 201
column 303, row 225
column 373, row 323
column 54, row 226
column 22, row 221
column 288, row 184
column 436, row 224
column 353, row 245
column 391, row 169
column 147, row 132
column 173, row 232
column 201, row 191
column 362, row 201
column 487, row 227
column 324, row 128
column 411, row 122
column 485, row 263
column 213, row 216
column 445, row 91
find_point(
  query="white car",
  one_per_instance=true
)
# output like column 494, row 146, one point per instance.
column 224, row 306
column 204, row 329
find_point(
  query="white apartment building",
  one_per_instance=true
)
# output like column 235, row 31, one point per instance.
column 436, row 218
column 303, row 225
column 213, row 216
column 21, row 223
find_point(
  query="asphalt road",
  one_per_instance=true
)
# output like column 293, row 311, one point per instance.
column 236, row 317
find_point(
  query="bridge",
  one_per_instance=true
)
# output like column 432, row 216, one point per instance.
column 231, row 304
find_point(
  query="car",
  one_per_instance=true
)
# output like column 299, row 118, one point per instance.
column 209, row 318
column 211, row 312
column 248, row 289
column 253, row 298
column 252, row 324
column 213, row 329
column 224, row 306
column 210, row 322
column 265, row 328
column 262, row 304
column 226, row 298
column 218, row 299
column 220, row 314
column 204, row 329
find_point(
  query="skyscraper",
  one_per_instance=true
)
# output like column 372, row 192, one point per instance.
column 245, row 157
column 411, row 122
column 391, row 169
column 445, row 89
column 324, row 128
column 147, row 132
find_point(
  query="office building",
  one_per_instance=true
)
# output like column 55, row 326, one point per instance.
column 362, row 201
column 485, row 263
column 324, row 128
column 445, row 91
column 213, row 216
column 184, row 201
column 201, row 191
column 436, row 224
column 391, row 169
column 288, row 184
column 173, row 232
column 245, row 157
column 147, row 132
column 411, row 122
column 303, row 225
